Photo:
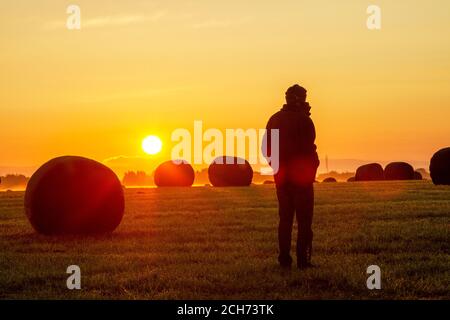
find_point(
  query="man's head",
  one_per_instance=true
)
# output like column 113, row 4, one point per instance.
column 296, row 95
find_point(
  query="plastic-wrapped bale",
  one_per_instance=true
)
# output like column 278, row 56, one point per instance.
column 74, row 195
column 176, row 173
column 440, row 167
column 329, row 179
column 370, row 172
column 417, row 175
column 399, row 171
column 230, row 171
column 351, row 179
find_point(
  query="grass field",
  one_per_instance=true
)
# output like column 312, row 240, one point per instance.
column 221, row 243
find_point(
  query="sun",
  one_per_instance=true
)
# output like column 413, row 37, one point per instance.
column 151, row 145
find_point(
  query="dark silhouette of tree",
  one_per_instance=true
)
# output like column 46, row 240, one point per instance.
column 138, row 178
column 13, row 181
column 339, row 176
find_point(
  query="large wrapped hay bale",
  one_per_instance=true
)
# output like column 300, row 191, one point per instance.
column 174, row 174
column 230, row 171
column 440, row 167
column 417, row 175
column 399, row 171
column 369, row 172
column 329, row 179
column 74, row 195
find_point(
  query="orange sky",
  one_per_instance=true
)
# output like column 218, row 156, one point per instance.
column 138, row 68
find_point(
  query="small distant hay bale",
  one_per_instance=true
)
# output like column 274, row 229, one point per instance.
column 74, row 195
column 370, row 172
column 399, row 171
column 176, row 173
column 417, row 175
column 329, row 179
column 269, row 182
column 229, row 171
column 351, row 179
column 440, row 167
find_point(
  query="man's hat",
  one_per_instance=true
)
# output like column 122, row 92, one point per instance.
column 296, row 90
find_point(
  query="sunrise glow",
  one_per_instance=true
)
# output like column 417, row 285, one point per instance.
column 152, row 145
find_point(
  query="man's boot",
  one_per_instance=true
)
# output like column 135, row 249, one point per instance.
column 304, row 257
column 285, row 261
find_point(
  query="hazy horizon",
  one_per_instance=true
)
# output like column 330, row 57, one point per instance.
column 339, row 165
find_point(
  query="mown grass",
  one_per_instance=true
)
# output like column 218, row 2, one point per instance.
column 221, row 243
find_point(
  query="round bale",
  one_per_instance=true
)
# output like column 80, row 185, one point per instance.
column 177, row 173
column 369, row 172
column 440, row 167
column 329, row 179
column 417, row 175
column 228, row 171
column 74, row 195
column 399, row 171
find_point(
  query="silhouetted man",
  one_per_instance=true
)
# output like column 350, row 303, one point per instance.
column 298, row 162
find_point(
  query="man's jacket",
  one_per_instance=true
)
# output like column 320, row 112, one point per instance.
column 298, row 160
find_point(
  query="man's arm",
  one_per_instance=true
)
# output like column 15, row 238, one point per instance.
column 307, row 136
column 266, row 146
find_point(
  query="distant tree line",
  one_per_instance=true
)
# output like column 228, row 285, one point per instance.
column 339, row 176
column 13, row 181
column 141, row 178
column 137, row 178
